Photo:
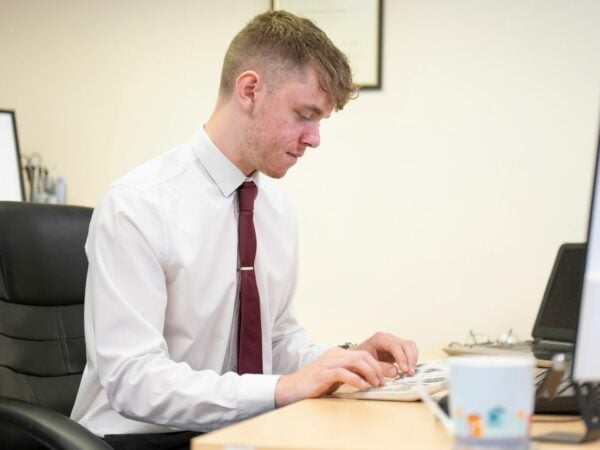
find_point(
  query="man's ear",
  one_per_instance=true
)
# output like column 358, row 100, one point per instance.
column 247, row 86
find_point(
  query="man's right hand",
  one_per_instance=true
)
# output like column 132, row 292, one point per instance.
column 325, row 374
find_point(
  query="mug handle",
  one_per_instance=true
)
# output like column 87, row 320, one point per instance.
column 435, row 409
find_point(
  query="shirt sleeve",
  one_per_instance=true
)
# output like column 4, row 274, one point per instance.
column 126, row 300
column 291, row 348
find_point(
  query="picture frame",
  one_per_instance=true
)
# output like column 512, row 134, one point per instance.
column 11, row 174
column 355, row 26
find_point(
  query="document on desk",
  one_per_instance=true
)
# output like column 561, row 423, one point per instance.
column 430, row 376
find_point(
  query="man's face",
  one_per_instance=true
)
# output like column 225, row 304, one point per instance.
column 284, row 122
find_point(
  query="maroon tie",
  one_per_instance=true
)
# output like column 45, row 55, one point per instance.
column 249, row 333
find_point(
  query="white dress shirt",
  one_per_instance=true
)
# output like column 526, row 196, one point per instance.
column 161, row 298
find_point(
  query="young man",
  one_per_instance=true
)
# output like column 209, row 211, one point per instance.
column 167, row 284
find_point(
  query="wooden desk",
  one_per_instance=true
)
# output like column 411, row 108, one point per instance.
column 345, row 424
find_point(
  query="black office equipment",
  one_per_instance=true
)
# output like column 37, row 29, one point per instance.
column 557, row 317
column 42, row 349
column 556, row 322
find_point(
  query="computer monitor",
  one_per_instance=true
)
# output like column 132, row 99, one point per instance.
column 557, row 317
column 11, row 176
column 586, row 367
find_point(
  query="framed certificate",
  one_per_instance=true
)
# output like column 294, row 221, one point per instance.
column 353, row 25
column 11, row 176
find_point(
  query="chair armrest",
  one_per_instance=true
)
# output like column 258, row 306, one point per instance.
column 49, row 427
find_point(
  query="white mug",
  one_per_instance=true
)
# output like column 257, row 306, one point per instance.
column 491, row 400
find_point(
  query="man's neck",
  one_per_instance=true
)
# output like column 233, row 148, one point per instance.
column 227, row 140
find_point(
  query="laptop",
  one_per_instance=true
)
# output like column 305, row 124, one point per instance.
column 556, row 323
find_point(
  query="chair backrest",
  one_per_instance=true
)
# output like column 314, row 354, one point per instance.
column 42, row 284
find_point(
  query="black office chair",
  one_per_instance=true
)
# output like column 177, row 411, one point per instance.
column 42, row 349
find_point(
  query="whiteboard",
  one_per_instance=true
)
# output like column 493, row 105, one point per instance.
column 11, row 180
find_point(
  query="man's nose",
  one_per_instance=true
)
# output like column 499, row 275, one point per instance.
column 312, row 137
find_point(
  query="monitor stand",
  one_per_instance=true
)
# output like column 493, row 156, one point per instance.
column 588, row 398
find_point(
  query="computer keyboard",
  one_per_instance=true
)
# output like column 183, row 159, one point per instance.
column 430, row 376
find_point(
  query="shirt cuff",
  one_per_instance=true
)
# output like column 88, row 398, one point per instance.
column 257, row 392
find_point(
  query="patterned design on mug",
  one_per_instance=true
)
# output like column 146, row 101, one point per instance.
column 496, row 417
column 496, row 423
column 475, row 425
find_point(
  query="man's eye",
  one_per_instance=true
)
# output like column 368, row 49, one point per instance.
column 304, row 117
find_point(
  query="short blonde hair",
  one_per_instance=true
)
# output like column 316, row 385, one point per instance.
column 278, row 42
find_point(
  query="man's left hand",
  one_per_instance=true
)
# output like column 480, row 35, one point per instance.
column 392, row 352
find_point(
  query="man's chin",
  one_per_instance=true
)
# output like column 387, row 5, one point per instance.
column 275, row 173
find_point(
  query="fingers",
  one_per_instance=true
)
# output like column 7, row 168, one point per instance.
column 403, row 352
column 359, row 362
column 343, row 375
column 389, row 370
column 406, row 355
column 362, row 363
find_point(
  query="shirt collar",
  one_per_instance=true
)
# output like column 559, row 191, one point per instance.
column 224, row 173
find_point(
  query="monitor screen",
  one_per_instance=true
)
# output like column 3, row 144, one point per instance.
column 558, row 314
column 587, row 347
column 11, row 180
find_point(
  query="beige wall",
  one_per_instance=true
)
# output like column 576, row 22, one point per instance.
column 433, row 206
